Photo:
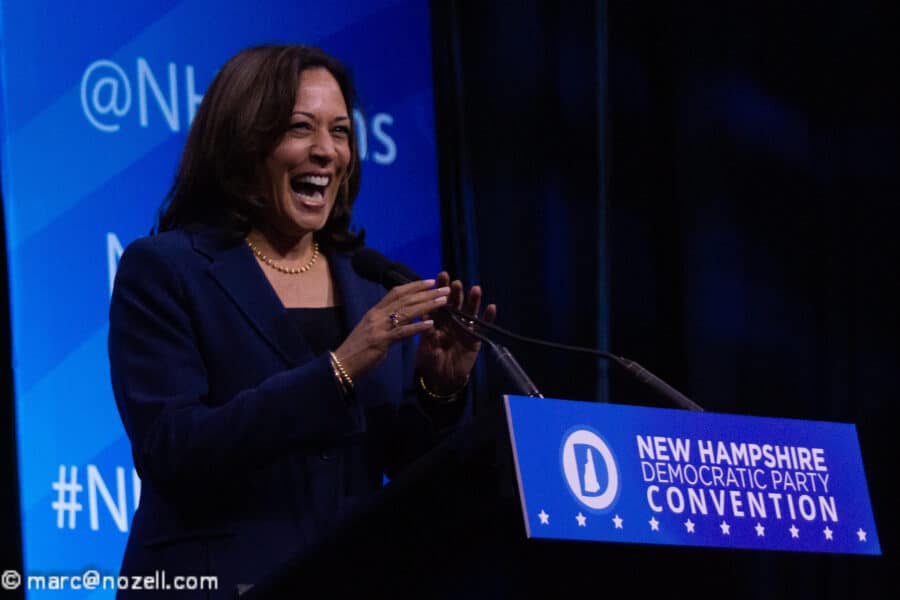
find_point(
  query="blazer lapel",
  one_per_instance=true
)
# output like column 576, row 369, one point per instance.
column 356, row 293
column 237, row 273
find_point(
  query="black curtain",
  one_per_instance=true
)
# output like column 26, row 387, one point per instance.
column 720, row 181
column 754, row 202
column 516, row 88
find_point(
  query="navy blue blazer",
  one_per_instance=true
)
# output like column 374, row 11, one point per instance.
column 246, row 448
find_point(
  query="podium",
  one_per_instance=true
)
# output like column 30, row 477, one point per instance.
column 472, row 518
column 435, row 529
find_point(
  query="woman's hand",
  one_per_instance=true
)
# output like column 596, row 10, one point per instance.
column 446, row 353
column 392, row 319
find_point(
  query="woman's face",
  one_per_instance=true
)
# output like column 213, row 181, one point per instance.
column 310, row 162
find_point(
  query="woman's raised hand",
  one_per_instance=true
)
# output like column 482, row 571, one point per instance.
column 446, row 352
column 402, row 313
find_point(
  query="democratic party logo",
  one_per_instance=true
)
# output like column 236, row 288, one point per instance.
column 590, row 469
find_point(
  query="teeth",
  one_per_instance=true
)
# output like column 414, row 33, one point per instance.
column 316, row 196
column 320, row 180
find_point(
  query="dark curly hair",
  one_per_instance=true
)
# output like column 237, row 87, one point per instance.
column 241, row 119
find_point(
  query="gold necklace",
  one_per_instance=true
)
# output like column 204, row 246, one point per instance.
column 277, row 267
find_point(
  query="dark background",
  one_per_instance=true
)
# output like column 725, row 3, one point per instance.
column 709, row 188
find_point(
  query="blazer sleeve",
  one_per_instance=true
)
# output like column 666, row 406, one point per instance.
column 420, row 423
column 160, row 384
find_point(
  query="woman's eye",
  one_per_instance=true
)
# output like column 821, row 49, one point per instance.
column 301, row 125
column 342, row 130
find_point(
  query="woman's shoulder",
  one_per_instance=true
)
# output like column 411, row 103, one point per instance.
column 172, row 250
column 167, row 260
column 169, row 247
column 179, row 243
column 151, row 258
column 164, row 241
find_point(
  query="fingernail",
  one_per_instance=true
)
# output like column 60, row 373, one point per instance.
column 429, row 323
column 429, row 281
column 443, row 290
column 440, row 300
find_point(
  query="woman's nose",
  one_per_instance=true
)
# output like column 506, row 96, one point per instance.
column 323, row 147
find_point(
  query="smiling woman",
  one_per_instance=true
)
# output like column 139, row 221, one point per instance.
column 305, row 171
column 256, row 106
column 312, row 160
column 266, row 388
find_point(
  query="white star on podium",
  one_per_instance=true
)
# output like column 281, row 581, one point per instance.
column 544, row 517
column 689, row 525
column 582, row 520
column 726, row 528
column 828, row 533
column 795, row 533
column 861, row 534
column 654, row 524
column 760, row 530
column 618, row 521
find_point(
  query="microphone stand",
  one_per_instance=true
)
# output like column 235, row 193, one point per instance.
column 518, row 375
column 390, row 274
column 504, row 357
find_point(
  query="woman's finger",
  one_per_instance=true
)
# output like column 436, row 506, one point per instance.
column 399, row 292
column 456, row 295
column 420, row 309
column 473, row 303
column 410, row 329
column 435, row 295
column 416, row 305
column 490, row 313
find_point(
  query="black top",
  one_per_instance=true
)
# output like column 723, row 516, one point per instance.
column 322, row 328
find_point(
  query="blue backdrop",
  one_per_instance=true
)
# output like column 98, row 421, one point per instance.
column 96, row 102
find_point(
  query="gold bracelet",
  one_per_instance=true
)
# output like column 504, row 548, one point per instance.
column 443, row 397
column 338, row 378
column 343, row 377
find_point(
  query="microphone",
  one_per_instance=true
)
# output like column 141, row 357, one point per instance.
column 505, row 359
column 374, row 266
column 514, row 370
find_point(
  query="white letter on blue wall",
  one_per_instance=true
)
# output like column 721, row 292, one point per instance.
column 170, row 110
column 113, row 254
column 361, row 137
column 390, row 153
column 193, row 99
column 116, row 507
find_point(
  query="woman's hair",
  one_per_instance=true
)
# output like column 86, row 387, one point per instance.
column 241, row 119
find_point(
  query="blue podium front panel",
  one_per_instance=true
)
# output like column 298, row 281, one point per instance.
column 614, row 473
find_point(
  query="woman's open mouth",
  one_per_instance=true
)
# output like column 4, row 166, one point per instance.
column 310, row 189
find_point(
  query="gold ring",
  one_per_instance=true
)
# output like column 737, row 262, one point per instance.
column 394, row 319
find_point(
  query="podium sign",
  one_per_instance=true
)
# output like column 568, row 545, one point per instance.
column 605, row 472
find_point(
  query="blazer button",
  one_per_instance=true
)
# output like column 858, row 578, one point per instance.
column 326, row 455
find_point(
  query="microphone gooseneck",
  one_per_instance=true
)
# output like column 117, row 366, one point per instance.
column 374, row 266
column 505, row 359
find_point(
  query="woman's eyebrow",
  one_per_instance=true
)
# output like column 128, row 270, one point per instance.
column 312, row 116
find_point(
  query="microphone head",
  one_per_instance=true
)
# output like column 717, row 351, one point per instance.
column 400, row 274
column 370, row 264
column 375, row 266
